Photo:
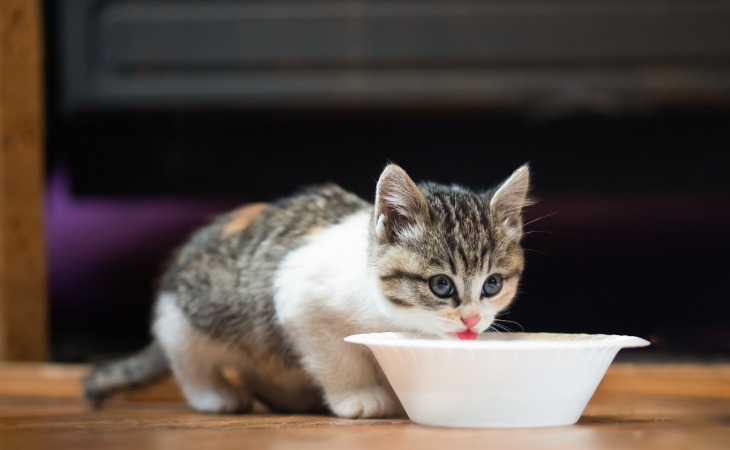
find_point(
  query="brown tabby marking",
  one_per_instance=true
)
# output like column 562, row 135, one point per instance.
column 254, row 306
column 242, row 219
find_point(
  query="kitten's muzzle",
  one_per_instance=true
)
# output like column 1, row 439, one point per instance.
column 471, row 321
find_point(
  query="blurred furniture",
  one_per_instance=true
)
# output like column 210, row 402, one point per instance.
column 23, row 323
column 621, row 106
column 178, row 96
column 518, row 54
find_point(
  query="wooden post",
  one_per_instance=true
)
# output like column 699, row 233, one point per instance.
column 23, row 308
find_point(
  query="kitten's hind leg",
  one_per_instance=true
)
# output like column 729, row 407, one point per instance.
column 197, row 362
column 206, row 389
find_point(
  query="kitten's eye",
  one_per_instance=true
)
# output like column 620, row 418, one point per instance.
column 441, row 286
column 492, row 286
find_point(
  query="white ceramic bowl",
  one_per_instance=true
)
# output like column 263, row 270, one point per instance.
column 500, row 380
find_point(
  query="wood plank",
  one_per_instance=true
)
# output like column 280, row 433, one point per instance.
column 40, row 408
column 678, row 380
column 23, row 309
column 63, row 381
column 619, row 422
column 702, row 381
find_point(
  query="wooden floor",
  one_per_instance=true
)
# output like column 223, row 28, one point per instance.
column 636, row 407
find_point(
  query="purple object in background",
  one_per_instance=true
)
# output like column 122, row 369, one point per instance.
column 105, row 253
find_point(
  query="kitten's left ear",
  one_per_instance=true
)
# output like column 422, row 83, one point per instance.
column 400, row 206
column 511, row 196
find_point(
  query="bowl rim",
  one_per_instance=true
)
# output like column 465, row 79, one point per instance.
column 509, row 341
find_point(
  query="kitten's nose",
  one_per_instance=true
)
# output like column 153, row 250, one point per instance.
column 471, row 321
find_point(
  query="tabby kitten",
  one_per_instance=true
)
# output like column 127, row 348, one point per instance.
column 271, row 290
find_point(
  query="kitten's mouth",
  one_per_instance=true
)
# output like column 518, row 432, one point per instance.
column 467, row 335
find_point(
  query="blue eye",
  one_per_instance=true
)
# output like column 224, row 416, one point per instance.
column 441, row 286
column 492, row 286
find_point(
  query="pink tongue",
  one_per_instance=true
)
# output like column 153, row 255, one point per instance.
column 467, row 335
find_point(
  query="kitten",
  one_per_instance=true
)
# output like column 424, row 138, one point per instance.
column 271, row 290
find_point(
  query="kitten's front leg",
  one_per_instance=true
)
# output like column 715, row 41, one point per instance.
column 352, row 384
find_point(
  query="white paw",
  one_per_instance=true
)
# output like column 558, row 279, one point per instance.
column 364, row 403
column 218, row 402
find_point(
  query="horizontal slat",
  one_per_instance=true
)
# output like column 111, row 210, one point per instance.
column 64, row 381
column 606, row 88
column 192, row 36
column 672, row 380
column 525, row 54
column 677, row 380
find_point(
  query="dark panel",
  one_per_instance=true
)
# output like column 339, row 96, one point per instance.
column 518, row 54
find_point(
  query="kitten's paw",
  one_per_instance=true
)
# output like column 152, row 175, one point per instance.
column 220, row 402
column 365, row 403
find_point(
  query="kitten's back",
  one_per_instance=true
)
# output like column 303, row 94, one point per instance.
column 223, row 276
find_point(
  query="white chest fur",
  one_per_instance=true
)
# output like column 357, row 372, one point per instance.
column 324, row 291
column 328, row 279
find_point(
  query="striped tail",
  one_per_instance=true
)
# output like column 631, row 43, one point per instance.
column 140, row 369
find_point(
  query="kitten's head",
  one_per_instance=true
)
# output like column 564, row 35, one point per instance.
column 448, row 259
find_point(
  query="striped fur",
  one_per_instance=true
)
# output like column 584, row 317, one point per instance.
column 269, row 291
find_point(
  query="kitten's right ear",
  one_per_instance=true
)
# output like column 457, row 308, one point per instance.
column 399, row 205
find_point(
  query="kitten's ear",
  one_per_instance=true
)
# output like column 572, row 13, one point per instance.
column 399, row 205
column 511, row 196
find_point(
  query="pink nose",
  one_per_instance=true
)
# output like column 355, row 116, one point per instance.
column 471, row 321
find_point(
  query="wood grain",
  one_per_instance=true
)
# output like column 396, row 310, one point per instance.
column 40, row 408
column 710, row 381
column 676, row 380
column 23, row 321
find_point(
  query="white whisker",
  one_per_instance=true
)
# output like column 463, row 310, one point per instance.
column 499, row 328
column 539, row 218
column 525, row 233
column 502, row 323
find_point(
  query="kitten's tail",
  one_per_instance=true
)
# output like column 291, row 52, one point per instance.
column 140, row 369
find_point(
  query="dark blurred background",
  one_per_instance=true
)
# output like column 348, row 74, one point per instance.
column 162, row 114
